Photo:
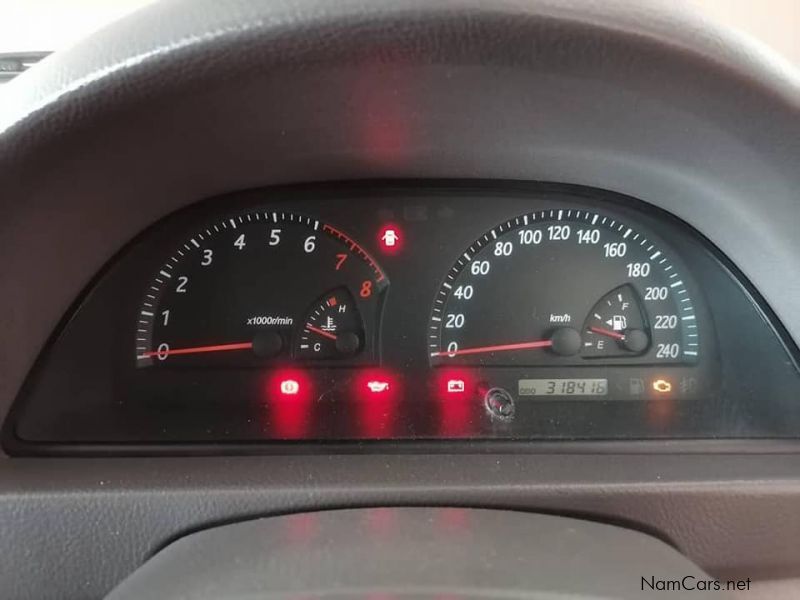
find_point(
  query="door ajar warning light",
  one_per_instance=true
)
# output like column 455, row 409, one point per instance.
column 390, row 238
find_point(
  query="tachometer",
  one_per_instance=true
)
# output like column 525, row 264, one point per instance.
column 261, row 287
column 564, row 287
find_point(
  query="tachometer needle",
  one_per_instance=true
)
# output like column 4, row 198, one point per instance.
column 198, row 350
column 607, row 333
column 322, row 332
column 499, row 348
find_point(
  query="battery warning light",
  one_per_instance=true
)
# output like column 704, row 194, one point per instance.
column 662, row 386
column 289, row 387
column 455, row 386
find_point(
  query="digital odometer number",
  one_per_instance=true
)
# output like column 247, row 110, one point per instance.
column 563, row 387
column 564, row 286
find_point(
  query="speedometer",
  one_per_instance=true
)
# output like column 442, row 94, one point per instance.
column 564, row 287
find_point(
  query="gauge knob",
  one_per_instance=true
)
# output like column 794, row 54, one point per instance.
column 566, row 341
column 348, row 343
column 636, row 340
column 499, row 403
column 267, row 344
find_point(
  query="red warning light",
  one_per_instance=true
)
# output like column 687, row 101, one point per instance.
column 390, row 239
column 376, row 382
column 455, row 383
column 376, row 393
column 288, row 399
column 290, row 387
column 378, row 387
column 456, row 392
column 289, row 383
column 456, row 386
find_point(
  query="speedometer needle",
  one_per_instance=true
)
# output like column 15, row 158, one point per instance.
column 499, row 348
column 198, row 350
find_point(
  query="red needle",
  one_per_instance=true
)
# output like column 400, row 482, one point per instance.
column 607, row 332
column 321, row 332
column 500, row 348
column 198, row 350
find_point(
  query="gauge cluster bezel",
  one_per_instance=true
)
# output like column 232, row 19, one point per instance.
column 354, row 199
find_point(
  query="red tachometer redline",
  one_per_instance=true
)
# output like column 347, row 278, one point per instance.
column 498, row 348
column 357, row 249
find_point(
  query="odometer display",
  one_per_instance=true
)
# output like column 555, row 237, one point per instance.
column 563, row 387
column 564, row 287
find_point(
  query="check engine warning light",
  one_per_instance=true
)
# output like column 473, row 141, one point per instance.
column 662, row 386
column 390, row 239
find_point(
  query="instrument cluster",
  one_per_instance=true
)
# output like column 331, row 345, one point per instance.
column 402, row 313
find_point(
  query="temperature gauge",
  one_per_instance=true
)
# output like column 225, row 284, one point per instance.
column 332, row 328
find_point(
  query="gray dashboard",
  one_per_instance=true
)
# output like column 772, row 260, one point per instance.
column 185, row 100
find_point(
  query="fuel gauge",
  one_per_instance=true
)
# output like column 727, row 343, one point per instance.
column 616, row 325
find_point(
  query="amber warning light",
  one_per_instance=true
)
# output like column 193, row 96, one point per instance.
column 662, row 386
